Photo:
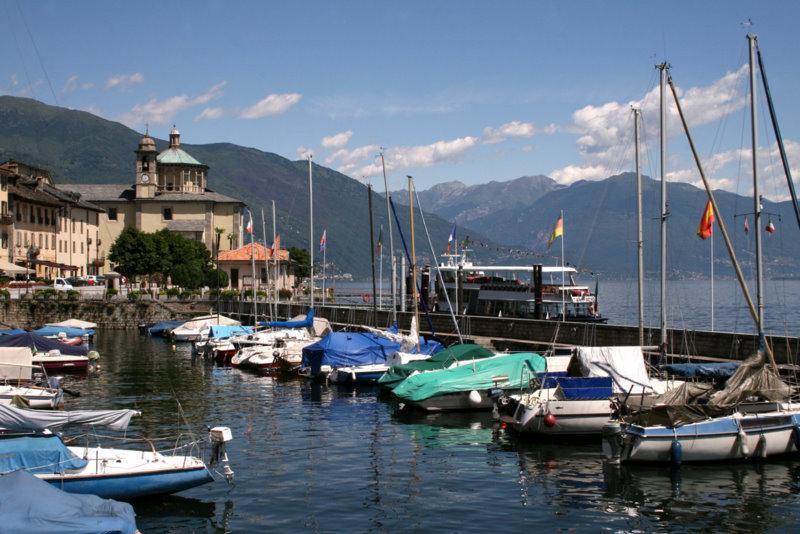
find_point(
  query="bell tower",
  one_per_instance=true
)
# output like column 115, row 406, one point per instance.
column 146, row 175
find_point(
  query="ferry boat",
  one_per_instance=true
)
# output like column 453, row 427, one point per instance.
column 526, row 291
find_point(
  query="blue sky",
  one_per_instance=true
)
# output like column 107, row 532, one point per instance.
column 463, row 90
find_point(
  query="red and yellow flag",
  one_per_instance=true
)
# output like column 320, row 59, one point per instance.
column 706, row 226
column 558, row 231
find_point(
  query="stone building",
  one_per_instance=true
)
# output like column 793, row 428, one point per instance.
column 51, row 230
column 170, row 191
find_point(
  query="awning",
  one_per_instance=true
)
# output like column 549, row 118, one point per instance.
column 54, row 265
column 10, row 268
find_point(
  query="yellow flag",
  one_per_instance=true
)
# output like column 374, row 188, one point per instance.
column 558, row 231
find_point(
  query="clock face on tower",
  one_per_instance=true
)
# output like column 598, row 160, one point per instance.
column 145, row 179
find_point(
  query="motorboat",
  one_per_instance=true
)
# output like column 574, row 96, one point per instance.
column 32, row 397
column 472, row 386
column 197, row 329
column 752, row 417
column 16, row 372
column 575, row 399
column 401, row 367
column 28, row 441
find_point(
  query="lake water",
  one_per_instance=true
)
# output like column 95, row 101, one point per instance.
column 316, row 458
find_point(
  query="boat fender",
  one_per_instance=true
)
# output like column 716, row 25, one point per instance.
column 474, row 398
column 550, row 420
column 796, row 436
column 93, row 355
column 676, row 453
column 761, row 448
column 744, row 449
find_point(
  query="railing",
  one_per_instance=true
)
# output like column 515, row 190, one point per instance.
column 6, row 219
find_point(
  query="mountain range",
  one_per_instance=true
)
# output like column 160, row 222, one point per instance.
column 504, row 221
column 79, row 147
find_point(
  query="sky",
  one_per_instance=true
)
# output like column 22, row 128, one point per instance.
column 453, row 90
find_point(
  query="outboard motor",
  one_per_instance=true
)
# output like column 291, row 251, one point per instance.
column 220, row 435
column 613, row 442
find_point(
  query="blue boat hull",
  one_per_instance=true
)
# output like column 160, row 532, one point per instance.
column 137, row 485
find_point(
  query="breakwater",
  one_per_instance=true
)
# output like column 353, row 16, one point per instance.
column 513, row 333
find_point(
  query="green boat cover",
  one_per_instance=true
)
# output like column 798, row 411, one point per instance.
column 441, row 360
column 516, row 371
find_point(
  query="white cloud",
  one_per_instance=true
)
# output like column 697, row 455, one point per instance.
column 507, row 130
column 605, row 131
column 163, row 111
column 337, row 140
column 71, row 84
column 274, row 104
column 210, row 114
column 124, row 80
column 303, row 152
column 421, row 155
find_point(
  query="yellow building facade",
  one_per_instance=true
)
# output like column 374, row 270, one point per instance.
column 170, row 191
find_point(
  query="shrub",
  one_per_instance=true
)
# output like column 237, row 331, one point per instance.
column 230, row 294
column 134, row 295
column 5, row 295
column 186, row 294
column 284, row 294
column 173, row 292
column 111, row 292
column 262, row 294
column 45, row 294
column 73, row 294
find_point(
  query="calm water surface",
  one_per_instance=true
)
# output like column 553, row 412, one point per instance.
column 315, row 458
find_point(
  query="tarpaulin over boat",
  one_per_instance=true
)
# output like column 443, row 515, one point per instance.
column 159, row 329
column 68, row 331
column 11, row 331
column 221, row 331
column 625, row 365
column 508, row 371
column 22, row 420
column 45, row 454
column 753, row 379
column 441, row 360
column 714, row 370
column 33, row 505
column 75, row 323
column 352, row 349
column 42, row 344
column 304, row 323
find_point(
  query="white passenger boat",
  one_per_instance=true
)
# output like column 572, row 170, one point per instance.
column 197, row 328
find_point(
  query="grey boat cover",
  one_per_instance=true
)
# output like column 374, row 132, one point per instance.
column 33, row 505
column 625, row 366
column 21, row 420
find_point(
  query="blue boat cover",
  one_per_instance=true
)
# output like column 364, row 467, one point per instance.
column 221, row 331
column 581, row 388
column 46, row 454
column 721, row 370
column 352, row 349
column 158, row 328
column 305, row 323
column 11, row 331
column 33, row 505
column 42, row 344
column 69, row 331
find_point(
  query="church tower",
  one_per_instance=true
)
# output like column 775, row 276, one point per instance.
column 146, row 172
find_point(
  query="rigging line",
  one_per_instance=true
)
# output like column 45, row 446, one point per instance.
column 19, row 51
column 38, row 56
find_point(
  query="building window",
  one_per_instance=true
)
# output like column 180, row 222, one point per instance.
column 167, row 213
column 40, row 241
column 81, row 247
column 30, row 215
column 39, row 216
column 3, row 183
column 4, row 207
column 4, row 240
column 19, row 214
column 112, row 214
column 263, row 275
column 73, row 247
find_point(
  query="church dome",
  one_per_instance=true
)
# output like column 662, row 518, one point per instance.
column 147, row 144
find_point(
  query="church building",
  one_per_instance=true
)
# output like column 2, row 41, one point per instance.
column 171, row 191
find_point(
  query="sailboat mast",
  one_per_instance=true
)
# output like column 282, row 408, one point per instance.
column 391, row 241
column 663, row 163
column 266, row 260
column 639, row 226
column 274, row 260
column 311, row 228
column 372, row 255
column 413, row 252
column 751, row 39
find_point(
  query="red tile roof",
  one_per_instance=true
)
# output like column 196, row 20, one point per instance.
column 246, row 252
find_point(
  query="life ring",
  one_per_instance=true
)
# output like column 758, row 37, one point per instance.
column 365, row 297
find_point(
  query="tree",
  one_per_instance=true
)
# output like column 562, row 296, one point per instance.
column 136, row 253
column 216, row 278
column 300, row 261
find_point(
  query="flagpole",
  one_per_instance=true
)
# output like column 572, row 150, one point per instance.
column 712, row 280
column 563, row 268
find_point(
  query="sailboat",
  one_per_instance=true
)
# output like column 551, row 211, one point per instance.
column 753, row 416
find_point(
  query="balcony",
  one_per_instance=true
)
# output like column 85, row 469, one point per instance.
column 99, row 262
column 6, row 219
